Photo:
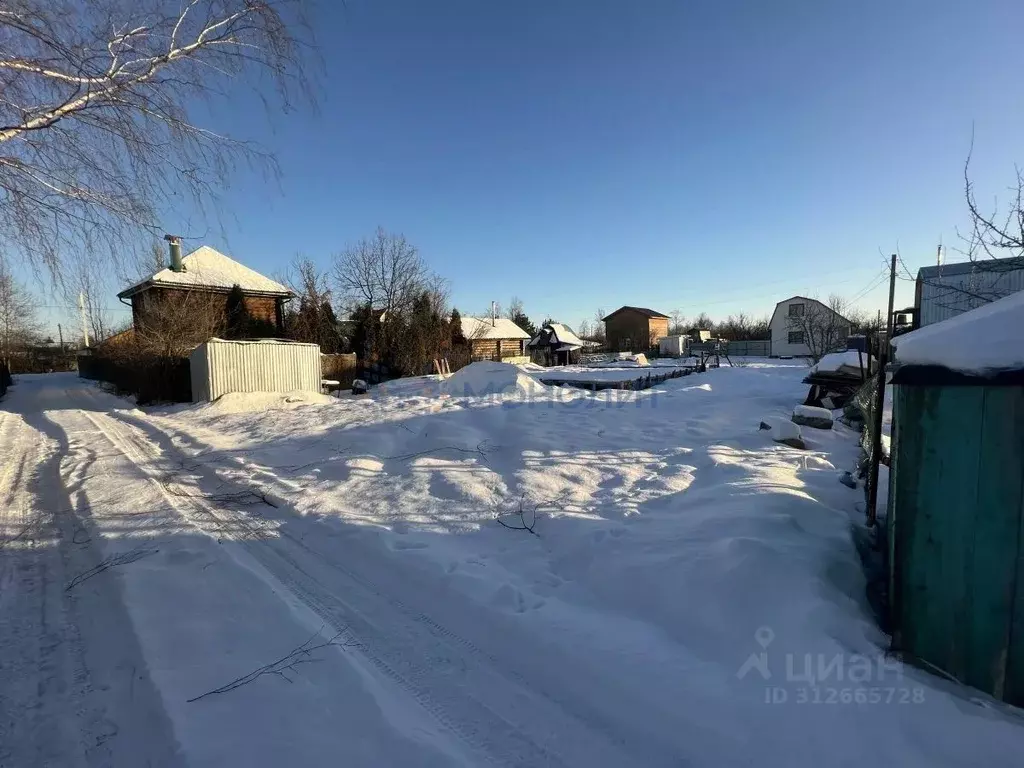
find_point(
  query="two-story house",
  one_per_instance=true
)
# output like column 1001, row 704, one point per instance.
column 634, row 329
column 804, row 327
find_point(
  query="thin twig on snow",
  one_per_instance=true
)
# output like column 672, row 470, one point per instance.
column 300, row 655
column 123, row 559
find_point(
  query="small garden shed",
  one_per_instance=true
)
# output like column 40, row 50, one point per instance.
column 218, row 367
column 956, row 498
column 555, row 344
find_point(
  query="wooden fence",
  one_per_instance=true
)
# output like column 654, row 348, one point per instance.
column 341, row 368
column 151, row 379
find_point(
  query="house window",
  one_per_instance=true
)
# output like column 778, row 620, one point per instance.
column 796, row 310
column 796, row 337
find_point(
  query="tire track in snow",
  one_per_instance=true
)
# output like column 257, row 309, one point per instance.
column 561, row 712
column 488, row 706
column 65, row 697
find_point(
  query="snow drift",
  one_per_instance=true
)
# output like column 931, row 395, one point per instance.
column 489, row 378
column 254, row 402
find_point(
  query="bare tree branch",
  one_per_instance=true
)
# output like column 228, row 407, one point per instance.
column 19, row 319
column 824, row 326
column 97, row 101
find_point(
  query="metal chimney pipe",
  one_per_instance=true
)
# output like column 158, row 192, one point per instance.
column 175, row 248
column 494, row 321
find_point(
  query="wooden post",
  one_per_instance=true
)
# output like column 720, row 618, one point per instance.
column 876, row 437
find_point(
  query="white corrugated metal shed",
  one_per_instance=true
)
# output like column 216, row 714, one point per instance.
column 207, row 267
column 948, row 290
column 481, row 328
column 218, row 367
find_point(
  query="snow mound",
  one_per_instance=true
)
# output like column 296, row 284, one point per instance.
column 810, row 416
column 783, row 431
column 812, row 412
column 253, row 402
column 489, row 378
column 531, row 367
column 988, row 338
column 845, row 362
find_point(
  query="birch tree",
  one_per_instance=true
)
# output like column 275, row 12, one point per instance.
column 99, row 139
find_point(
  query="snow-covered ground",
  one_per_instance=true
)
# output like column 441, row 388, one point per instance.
column 692, row 595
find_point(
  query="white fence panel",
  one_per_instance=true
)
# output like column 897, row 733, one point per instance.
column 219, row 367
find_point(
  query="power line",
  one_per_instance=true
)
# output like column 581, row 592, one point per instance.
column 874, row 283
column 74, row 307
column 743, row 293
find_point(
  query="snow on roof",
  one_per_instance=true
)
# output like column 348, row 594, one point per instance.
column 481, row 328
column 836, row 361
column 564, row 335
column 985, row 339
column 207, row 267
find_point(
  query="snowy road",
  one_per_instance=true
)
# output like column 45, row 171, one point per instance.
column 149, row 558
column 72, row 692
column 85, row 487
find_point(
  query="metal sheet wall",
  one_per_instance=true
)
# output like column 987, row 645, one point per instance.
column 220, row 367
column 947, row 296
column 954, row 522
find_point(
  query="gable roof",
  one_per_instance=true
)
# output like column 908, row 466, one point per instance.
column 557, row 333
column 210, row 269
column 480, row 328
column 642, row 310
column 802, row 298
column 564, row 335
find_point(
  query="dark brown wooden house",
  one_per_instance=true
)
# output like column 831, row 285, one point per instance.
column 634, row 329
column 207, row 273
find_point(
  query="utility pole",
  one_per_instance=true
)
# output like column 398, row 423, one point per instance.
column 60, row 336
column 876, row 435
column 85, row 325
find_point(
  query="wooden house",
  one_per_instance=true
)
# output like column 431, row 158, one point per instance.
column 209, row 276
column 634, row 329
column 494, row 339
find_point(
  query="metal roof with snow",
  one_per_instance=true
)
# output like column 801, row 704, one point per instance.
column 557, row 333
column 208, row 269
column 485, row 328
column 982, row 341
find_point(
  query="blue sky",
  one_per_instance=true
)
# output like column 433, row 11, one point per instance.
column 700, row 156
